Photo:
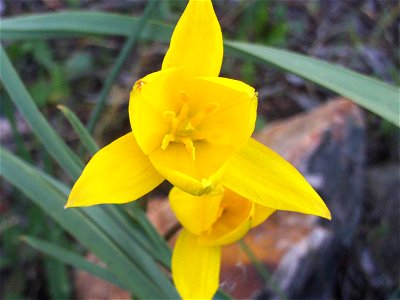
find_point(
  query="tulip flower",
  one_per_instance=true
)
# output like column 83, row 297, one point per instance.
column 209, row 221
column 193, row 128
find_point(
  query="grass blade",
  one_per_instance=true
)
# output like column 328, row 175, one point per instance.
column 76, row 24
column 136, row 31
column 98, row 215
column 84, row 136
column 374, row 95
column 71, row 258
column 50, row 139
column 79, row 225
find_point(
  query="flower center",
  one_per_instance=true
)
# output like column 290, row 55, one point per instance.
column 184, row 127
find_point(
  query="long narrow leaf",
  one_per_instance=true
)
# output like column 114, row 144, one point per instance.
column 136, row 32
column 71, row 258
column 75, row 221
column 98, row 215
column 49, row 138
column 75, row 24
column 84, row 136
column 376, row 96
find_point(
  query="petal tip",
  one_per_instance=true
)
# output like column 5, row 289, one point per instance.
column 327, row 215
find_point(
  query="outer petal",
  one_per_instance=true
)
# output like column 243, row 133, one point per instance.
column 118, row 173
column 195, row 268
column 196, row 43
column 196, row 213
column 261, row 213
column 260, row 175
column 197, row 176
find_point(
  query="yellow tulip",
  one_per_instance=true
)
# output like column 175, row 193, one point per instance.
column 193, row 128
column 210, row 221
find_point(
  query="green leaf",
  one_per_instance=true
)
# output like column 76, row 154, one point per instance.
column 129, row 45
column 135, row 275
column 42, row 129
column 376, row 96
column 83, row 134
column 76, row 24
column 100, row 216
column 57, row 279
column 71, row 258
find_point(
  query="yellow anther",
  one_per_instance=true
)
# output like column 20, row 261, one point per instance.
column 187, row 130
column 169, row 115
column 190, row 147
column 210, row 108
column 168, row 138
column 183, row 127
column 207, row 110
column 184, row 96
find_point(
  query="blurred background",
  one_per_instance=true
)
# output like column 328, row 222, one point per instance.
column 350, row 155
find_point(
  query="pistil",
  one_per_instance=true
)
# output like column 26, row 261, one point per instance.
column 183, row 127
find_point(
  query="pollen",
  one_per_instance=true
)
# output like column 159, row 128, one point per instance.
column 185, row 124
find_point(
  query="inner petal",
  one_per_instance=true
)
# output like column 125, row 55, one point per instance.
column 195, row 213
column 233, row 223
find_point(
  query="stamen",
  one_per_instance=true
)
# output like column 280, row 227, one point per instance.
column 169, row 115
column 183, row 128
column 190, row 147
column 211, row 108
column 184, row 96
column 166, row 140
column 187, row 130
column 207, row 111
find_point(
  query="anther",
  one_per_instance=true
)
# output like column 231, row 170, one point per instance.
column 211, row 108
column 184, row 96
column 169, row 115
column 166, row 140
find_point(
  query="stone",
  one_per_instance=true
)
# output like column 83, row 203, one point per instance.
column 301, row 252
column 88, row 287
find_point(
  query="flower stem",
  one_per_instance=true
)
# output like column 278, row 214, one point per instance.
column 123, row 55
column 262, row 270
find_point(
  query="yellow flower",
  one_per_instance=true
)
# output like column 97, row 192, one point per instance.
column 193, row 128
column 210, row 221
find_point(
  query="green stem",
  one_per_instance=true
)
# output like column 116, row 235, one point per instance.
column 262, row 270
column 127, row 48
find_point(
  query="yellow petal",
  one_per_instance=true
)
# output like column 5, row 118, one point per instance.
column 233, row 121
column 149, row 99
column 196, row 43
column 220, row 114
column 195, row 268
column 233, row 223
column 261, row 213
column 196, row 213
column 197, row 176
column 223, row 110
column 118, row 173
column 260, row 175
